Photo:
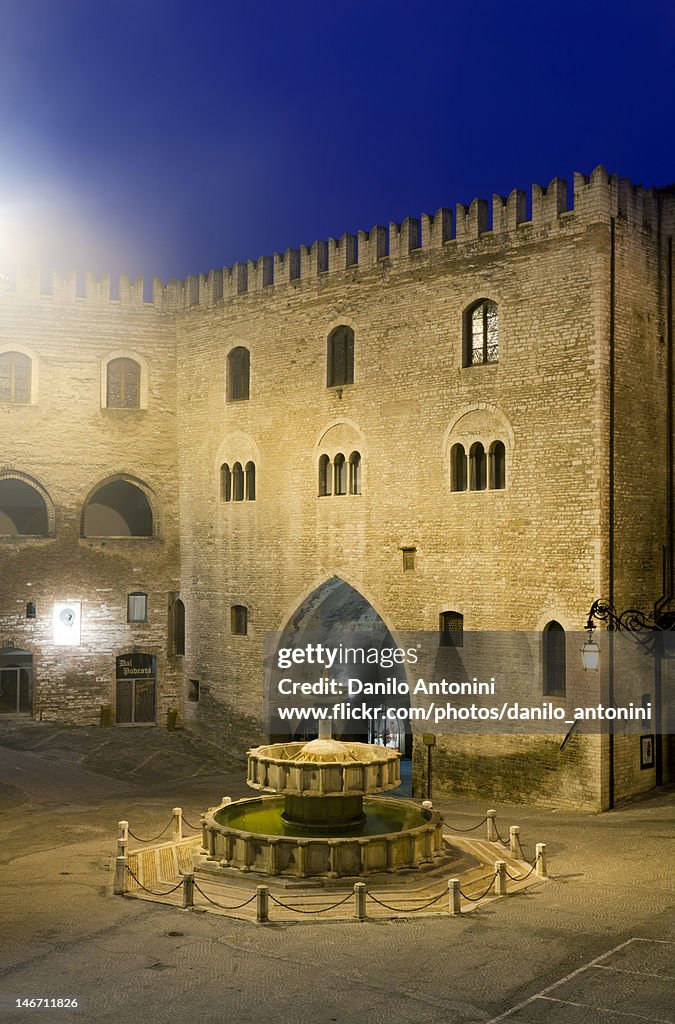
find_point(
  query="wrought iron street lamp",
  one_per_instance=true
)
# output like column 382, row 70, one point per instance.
column 644, row 628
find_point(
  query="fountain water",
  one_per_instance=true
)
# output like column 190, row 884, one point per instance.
column 323, row 820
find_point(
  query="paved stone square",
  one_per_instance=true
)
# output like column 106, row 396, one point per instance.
column 594, row 944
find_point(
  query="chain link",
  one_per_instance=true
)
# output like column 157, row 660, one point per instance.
column 321, row 910
column 221, row 906
column 475, row 899
column 408, row 910
column 155, row 838
column 152, row 893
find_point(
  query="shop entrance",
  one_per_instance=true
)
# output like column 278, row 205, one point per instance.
column 16, row 682
column 136, row 683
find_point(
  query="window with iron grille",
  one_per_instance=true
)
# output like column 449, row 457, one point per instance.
column 481, row 333
column 123, row 384
column 451, row 629
column 15, row 378
column 239, row 619
column 408, row 559
column 340, row 369
column 238, row 374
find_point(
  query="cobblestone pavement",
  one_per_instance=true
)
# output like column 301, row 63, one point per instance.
column 595, row 944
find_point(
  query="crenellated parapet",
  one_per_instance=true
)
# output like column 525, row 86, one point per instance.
column 596, row 198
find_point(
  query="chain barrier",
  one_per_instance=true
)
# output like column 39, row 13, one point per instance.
column 321, row 910
column 520, row 878
column 525, row 857
column 186, row 822
column 145, row 888
column 453, row 828
column 408, row 910
column 475, row 899
column 154, row 840
column 221, row 906
column 499, row 837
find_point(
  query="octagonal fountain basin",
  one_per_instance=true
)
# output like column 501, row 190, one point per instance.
column 386, row 836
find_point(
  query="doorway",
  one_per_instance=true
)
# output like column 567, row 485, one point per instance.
column 16, row 682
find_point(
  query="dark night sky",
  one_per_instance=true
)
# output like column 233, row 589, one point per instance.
column 167, row 138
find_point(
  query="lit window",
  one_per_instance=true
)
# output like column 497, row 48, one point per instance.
column 123, row 387
column 137, row 607
column 15, row 378
column 451, row 629
column 239, row 619
column 481, row 333
column 340, row 357
column 555, row 660
column 238, row 374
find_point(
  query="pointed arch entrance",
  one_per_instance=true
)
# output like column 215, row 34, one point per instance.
column 337, row 617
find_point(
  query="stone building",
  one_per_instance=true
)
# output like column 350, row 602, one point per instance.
column 460, row 423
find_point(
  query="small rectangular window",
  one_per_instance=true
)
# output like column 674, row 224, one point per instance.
column 239, row 619
column 193, row 692
column 137, row 607
column 408, row 559
column 451, row 629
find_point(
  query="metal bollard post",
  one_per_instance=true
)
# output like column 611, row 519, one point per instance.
column 453, row 896
column 500, row 881
column 262, row 904
column 122, row 829
column 541, row 861
column 514, row 840
column 121, row 865
column 360, row 901
column 188, row 889
column 177, row 824
column 491, row 826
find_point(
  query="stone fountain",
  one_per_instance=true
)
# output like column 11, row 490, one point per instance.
column 321, row 819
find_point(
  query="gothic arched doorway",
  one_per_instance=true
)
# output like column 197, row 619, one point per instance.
column 369, row 685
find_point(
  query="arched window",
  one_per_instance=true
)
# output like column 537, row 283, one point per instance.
column 554, row 660
column 15, row 378
column 340, row 473
column 123, row 384
column 355, row 473
column 457, row 468
column 23, row 510
column 239, row 619
column 477, row 467
column 118, row 509
column 340, row 369
column 324, row 476
column 238, row 374
column 481, row 333
column 178, row 615
column 451, row 629
column 250, row 481
column 237, row 482
column 497, row 466
column 225, row 483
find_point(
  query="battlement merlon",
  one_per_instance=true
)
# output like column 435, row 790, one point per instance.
column 596, row 199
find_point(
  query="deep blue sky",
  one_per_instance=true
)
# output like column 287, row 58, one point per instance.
column 169, row 137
